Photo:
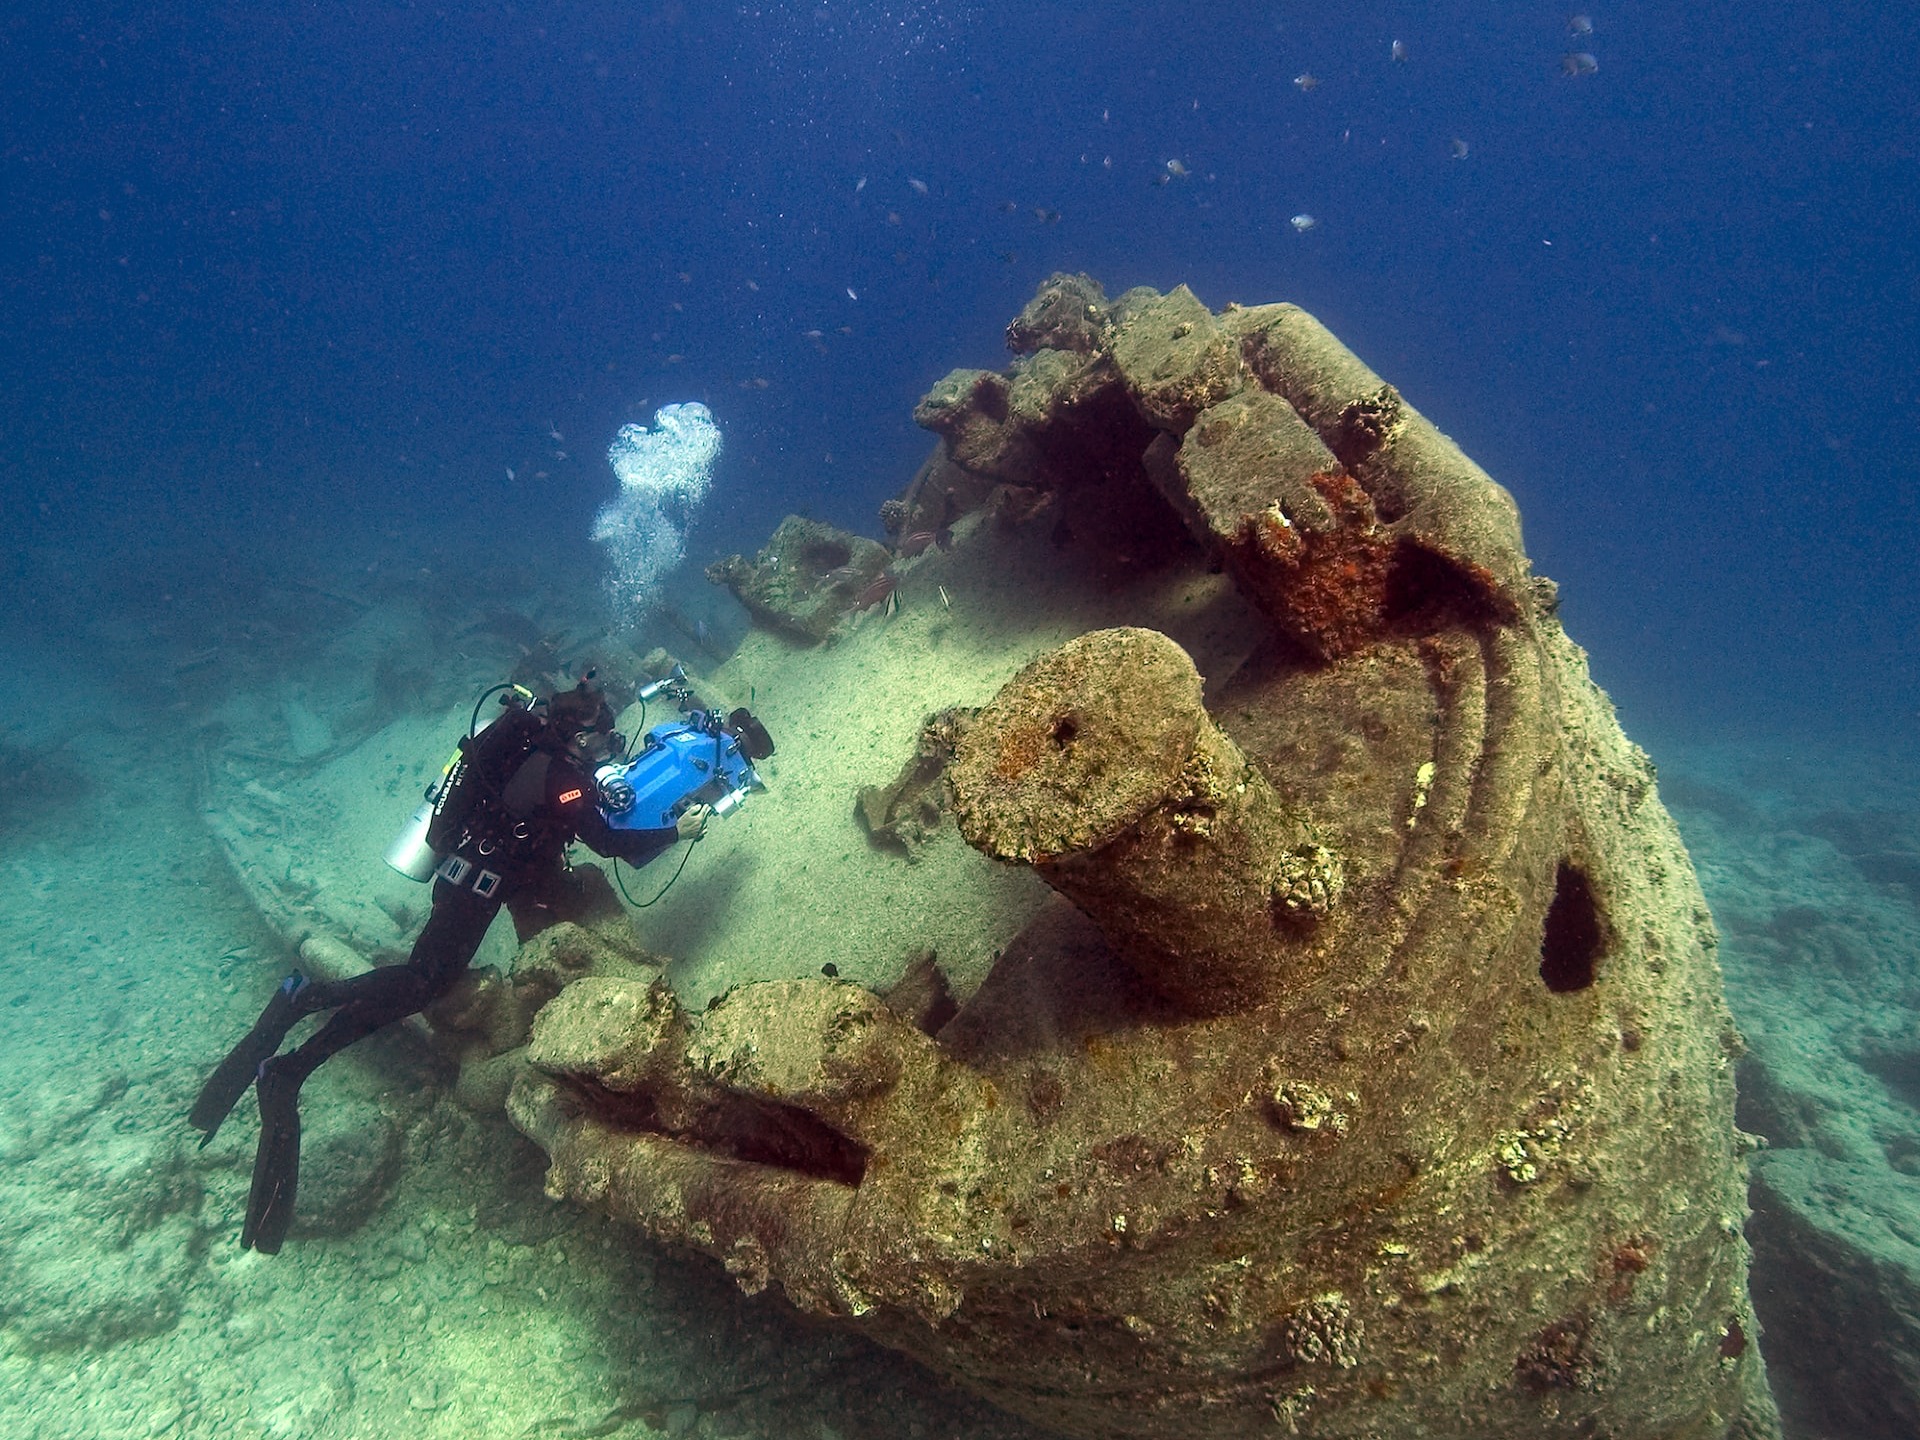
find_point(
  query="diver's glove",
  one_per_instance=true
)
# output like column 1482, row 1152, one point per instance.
column 692, row 823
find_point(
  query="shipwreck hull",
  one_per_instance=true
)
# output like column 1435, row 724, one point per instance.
column 1369, row 1074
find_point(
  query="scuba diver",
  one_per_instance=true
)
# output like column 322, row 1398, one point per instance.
column 496, row 830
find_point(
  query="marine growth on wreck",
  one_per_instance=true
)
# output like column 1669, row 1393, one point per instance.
column 1288, row 1008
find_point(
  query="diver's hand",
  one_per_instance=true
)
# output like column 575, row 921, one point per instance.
column 692, row 823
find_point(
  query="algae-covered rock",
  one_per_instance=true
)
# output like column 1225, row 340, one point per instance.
column 1369, row 1072
column 907, row 810
column 1176, row 358
column 806, row 580
column 1068, row 312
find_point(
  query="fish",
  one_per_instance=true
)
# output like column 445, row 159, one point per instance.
column 510, row 475
column 1176, row 168
column 859, row 184
column 919, row 540
column 1575, row 65
column 919, row 186
column 1579, row 24
column 1303, row 222
column 1399, row 52
column 878, row 592
column 1307, row 81
column 1457, row 147
column 852, row 294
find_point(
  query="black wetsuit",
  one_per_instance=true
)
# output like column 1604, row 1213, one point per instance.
column 508, row 814
column 511, row 806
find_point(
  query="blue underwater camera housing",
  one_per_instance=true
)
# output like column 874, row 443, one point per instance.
column 702, row 758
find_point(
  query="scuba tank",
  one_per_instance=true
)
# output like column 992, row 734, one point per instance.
column 410, row 853
column 413, row 852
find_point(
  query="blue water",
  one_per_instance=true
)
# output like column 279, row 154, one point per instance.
column 275, row 276
column 351, row 289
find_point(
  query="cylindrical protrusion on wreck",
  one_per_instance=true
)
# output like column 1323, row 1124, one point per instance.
column 1414, row 473
column 1099, row 765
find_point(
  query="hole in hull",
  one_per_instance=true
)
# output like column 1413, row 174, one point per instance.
column 762, row 1132
column 1571, row 942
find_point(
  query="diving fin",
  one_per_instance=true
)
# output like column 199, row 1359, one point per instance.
column 232, row 1075
column 276, row 1165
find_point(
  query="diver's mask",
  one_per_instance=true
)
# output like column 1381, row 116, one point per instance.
column 584, row 721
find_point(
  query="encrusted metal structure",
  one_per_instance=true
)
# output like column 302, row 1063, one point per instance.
column 1371, row 1078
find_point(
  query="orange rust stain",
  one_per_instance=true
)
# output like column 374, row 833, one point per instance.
column 1021, row 747
column 1330, row 588
column 1341, row 491
column 1338, row 593
column 1628, row 1260
column 1275, row 541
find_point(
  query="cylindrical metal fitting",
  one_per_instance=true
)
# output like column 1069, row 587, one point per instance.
column 1099, row 765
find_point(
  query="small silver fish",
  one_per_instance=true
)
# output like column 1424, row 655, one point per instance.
column 919, row 186
column 1175, row 167
column 1579, row 24
column 1399, row 52
column 510, row 475
column 1578, row 64
column 1306, row 80
column 1458, row 148
column 1303, row 222
column 859, row 184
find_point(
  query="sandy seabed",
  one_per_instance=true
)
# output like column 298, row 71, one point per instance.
column 463, row 1302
